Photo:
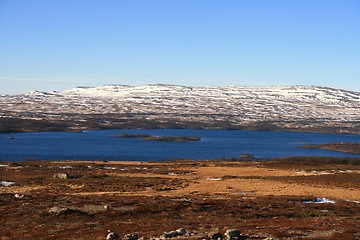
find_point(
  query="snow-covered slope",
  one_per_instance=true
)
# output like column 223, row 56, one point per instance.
column 200, row 103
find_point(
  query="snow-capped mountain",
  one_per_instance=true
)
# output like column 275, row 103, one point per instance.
column 233, row 104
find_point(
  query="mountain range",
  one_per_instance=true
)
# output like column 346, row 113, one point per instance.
column 294, row 108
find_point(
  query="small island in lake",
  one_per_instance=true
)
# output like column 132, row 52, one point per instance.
column 148, row 137
column 348, row 147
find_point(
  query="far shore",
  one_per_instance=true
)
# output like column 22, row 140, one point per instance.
column 106, row 122
column 347, row 147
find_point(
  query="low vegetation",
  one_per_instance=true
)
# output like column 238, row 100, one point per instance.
column 274, row 198
column 348, row 147
column 316, row 161
column 78, row 122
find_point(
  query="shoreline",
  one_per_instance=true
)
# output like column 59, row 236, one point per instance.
column 346, row 147
column 73, row 124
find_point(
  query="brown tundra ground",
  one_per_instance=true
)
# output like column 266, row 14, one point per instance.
column 262, row 199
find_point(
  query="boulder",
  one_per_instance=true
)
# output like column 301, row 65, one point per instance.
column 170, row 234
column 21, row 196
column 64, row 210
column 233, row 234
column 181, row 231
column 215, row 235
column 60, row 210
column 61, row 175
column 112, row 235
column 131, row 236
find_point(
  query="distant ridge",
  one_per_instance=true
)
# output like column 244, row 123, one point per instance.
column 273, row 107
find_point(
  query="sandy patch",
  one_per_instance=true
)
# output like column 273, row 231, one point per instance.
column 237, row 181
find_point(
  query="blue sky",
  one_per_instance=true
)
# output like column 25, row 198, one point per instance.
column 55, row 45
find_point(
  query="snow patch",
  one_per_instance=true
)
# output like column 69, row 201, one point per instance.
column 320, row 200
column 6, row 183
column 214, row 179
column 66, row 167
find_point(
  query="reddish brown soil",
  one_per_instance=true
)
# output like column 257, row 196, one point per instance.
column 261, row 199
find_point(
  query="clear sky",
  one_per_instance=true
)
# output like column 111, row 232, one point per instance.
column 60, row 44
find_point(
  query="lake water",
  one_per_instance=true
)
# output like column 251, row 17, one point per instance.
column 214, row 144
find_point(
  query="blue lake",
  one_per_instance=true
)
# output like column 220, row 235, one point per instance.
column 214, row 144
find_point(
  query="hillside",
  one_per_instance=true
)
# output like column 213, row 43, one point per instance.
column 295, row 108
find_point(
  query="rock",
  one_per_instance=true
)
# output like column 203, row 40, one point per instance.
column 61, row 175
column 201, row 235
column 19, row 195
column 233, row 234
column 170, row 234
column 112, row 235
column 60, row 210
column 131, row 236
column 215, row 235
column 181, row 231
column 22, row 196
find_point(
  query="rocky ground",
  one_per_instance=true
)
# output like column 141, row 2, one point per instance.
column 296, row 198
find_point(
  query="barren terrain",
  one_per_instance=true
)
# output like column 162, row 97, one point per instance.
column 82, row 200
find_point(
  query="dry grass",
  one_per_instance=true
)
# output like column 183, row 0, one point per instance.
column 260, row 198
